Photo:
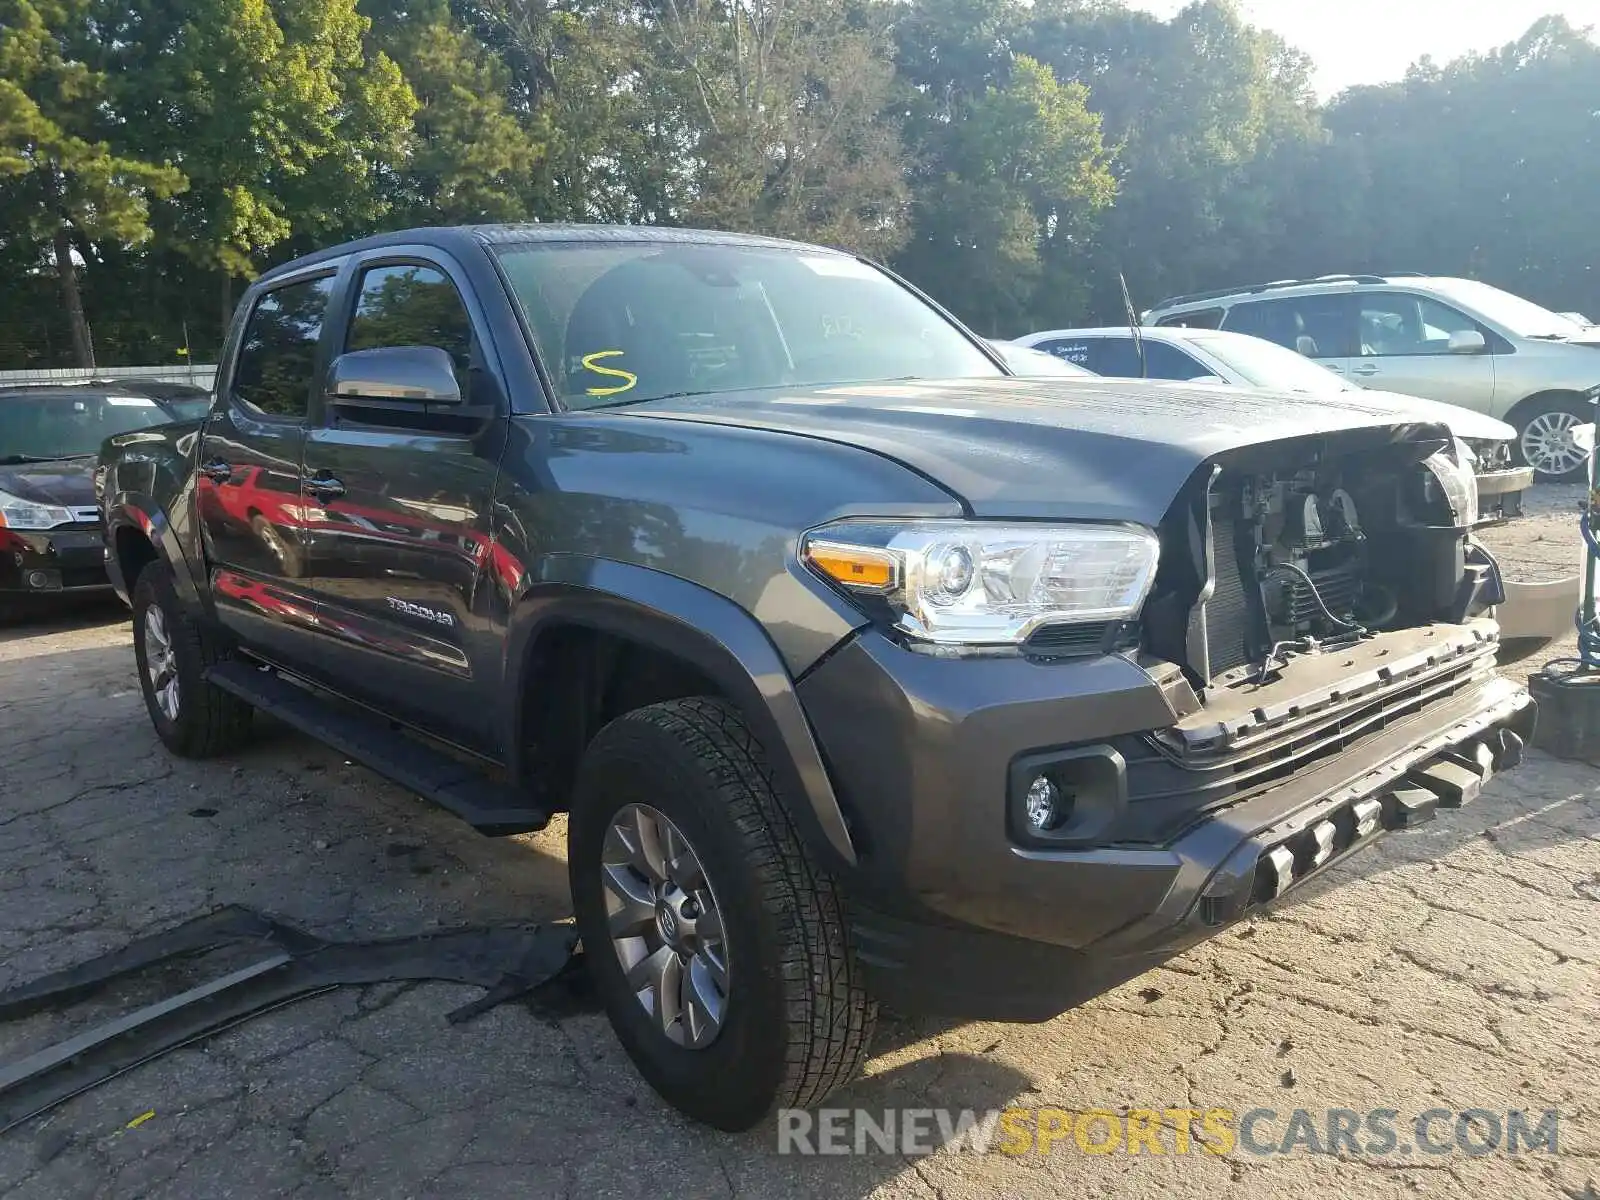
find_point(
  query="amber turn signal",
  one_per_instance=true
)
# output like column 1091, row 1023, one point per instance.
column 853, row 566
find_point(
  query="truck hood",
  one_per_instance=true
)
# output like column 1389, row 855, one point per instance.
column 68, row 483
column 1090, row 449
column 1463, row 422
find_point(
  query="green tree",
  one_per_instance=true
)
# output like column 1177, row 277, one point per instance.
column 282, row 117
column 62, row 183
column 471, row 158
column 1011, row 171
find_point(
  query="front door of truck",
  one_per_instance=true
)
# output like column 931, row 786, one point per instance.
column 398, row 537
column 247, row 483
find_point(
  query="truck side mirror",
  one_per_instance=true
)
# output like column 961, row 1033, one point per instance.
column 401, row 376
column 1467, row 341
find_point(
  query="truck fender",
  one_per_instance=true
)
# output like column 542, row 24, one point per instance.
column 134, row 510
column 708, row 631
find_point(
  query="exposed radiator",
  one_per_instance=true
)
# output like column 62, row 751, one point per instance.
column 1227, row 614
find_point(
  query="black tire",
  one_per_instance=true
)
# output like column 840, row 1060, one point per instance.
column 798, row 1020
column 1529, row 413
column 209, row 721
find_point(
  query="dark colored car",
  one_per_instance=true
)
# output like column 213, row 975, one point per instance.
column 50, row 539
column 865, row 669
column 180, row 401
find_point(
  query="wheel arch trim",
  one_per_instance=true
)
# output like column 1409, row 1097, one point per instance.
column 133, row 510
column 707, row 631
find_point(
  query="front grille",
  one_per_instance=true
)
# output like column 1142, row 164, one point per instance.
column 1170, row 785
column 86, row 514
column 1227, row 612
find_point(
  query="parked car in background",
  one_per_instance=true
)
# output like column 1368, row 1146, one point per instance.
column 1456, row 340
column 50, row 539
column 1199, row 355
column 181, row 401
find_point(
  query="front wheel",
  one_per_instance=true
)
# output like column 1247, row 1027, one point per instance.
column 1547, row 438
column 192, row 717
column 719, row 948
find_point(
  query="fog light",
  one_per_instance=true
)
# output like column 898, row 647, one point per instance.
column 1044, row 805
column 38, row 579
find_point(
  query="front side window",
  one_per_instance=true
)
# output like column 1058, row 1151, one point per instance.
column 278, row 352
column 621, row 324
column 410, row 305
column 1400, row 324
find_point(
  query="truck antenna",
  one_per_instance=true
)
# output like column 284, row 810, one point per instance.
column 1133, row 324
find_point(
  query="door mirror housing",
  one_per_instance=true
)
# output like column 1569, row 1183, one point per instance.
column 1467, row 341
column 394, row 376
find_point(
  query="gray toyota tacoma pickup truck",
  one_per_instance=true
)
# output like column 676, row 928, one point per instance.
column 864, row 670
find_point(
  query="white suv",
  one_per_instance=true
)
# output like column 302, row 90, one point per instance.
column 1454, row 340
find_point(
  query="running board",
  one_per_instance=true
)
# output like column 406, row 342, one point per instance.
column 493, row 809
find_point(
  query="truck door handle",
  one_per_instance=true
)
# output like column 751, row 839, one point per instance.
column 322, row 487
column 1364, row 369
column 217, row 470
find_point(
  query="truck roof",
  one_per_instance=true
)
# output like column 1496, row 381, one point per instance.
column 463, row 237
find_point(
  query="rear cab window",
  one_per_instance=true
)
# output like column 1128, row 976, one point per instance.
column 275, row 370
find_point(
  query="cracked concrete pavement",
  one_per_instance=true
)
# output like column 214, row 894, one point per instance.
column 1456, row 967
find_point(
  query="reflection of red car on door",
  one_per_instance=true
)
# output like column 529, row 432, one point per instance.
column 267, row 504
column 263, row 503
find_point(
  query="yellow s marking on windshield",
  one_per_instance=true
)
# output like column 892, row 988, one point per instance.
column 590, row 364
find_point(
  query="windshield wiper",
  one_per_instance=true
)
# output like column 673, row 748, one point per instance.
column 12, row 460
column 1549, row 337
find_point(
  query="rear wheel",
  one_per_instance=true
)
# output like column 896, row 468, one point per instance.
column 719, row 949
column 192, row 717
column 1547, row 441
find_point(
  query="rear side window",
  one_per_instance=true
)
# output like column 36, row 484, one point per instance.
column 1205, row 318
column 1072, row 350
column 406, row 304
column 1316, row 326
column 278, row 352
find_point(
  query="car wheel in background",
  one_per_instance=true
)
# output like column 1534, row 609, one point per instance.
column 719, row 949
column 192, row 717
column 1546, row 441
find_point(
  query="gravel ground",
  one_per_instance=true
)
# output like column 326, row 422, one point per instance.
column 1451, row 968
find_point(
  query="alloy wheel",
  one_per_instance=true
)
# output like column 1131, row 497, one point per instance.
column 161, row 662
column 666, row 926
column 1549, row 444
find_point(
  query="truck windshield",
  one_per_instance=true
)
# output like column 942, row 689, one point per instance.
column 629, row 322
column 38, row 427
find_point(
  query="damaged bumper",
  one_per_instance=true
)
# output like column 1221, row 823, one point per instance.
column 1206, row 817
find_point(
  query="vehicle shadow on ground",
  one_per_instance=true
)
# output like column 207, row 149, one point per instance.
column 64, row 614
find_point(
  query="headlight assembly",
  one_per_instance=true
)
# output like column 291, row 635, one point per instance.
column 1453, row 469
column 17, row 513
column 972, row 584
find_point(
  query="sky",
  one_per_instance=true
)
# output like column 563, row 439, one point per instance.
column 1374, row 41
